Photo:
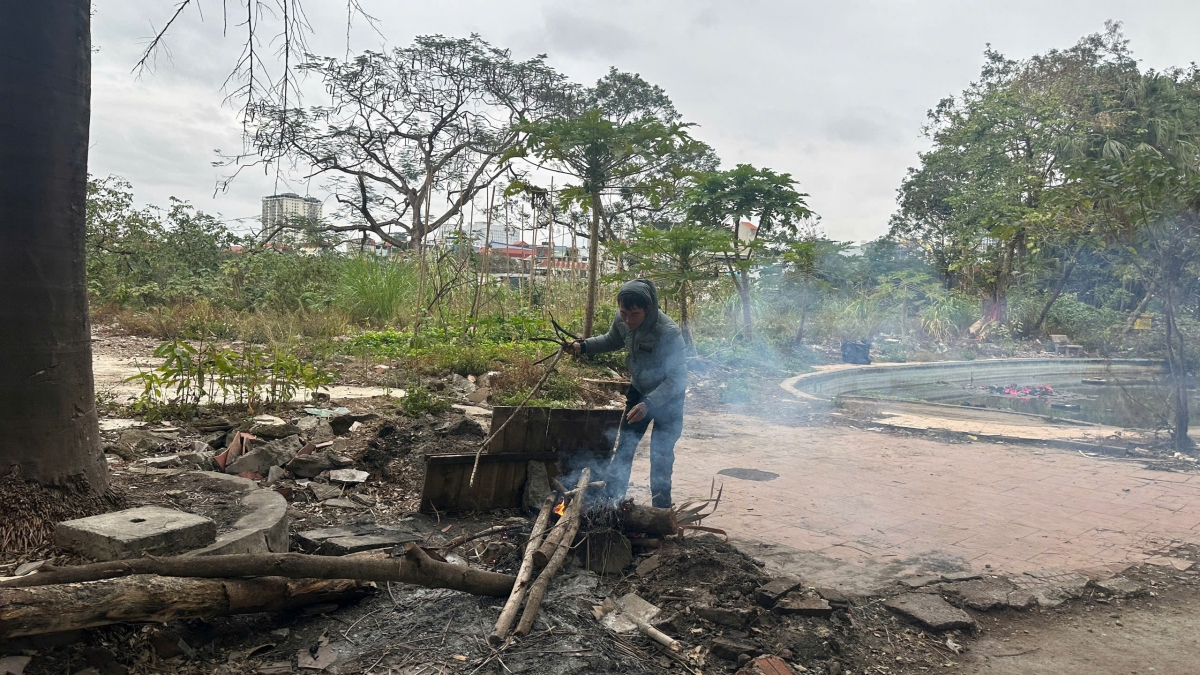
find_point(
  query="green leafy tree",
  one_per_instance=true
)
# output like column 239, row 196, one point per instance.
column 724, row 199
column 678, row 259
column 602, row 153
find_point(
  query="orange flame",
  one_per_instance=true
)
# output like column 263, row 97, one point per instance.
column 562, row 506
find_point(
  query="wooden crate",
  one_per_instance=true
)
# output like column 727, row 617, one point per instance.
column 566, row 439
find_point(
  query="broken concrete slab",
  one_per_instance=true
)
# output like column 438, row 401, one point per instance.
column 1051, row 587
column 163, row 462
column 141, row 440
column 953, row 577
column 276, row 474
column 770, row 593
column 311, row 466
column 348, row 476
column 930, row 611
column 615, row 614
column 341, row 503
column 921, row 581
column 1120, row 587
column 731, row 648
column 985, row 595
column 836, row 598
column 353, row 538
column 133, row 532
column 724, row 616
column 274, row 430
column 648, row 565
column 315, row 429
column 804, row 605
column 260, row 459
column 263, row 528
column 323, row 491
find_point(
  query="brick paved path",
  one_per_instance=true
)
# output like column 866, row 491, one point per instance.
column 868, row 497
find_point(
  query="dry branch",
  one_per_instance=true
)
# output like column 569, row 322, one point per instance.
column 415, row 567
column 509, row 614
column 570, row 527
column 148, row 598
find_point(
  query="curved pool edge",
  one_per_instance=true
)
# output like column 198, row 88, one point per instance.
column 825, row 385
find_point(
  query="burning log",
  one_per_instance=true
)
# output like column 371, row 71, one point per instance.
column 154, row 599
column 569, row 526
column 415, row 567
column 509, row 614
column 647, row 519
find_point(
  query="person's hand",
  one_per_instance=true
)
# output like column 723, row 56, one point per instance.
column 637, row 413
column 575, row 347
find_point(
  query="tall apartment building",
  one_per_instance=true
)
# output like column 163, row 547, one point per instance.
column 288, row 207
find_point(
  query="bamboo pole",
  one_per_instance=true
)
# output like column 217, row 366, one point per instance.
column 571, row 519
column 509, row 614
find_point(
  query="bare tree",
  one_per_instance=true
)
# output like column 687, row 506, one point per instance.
column 406, row 128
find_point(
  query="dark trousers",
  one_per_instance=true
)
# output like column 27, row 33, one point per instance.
column 668, row 425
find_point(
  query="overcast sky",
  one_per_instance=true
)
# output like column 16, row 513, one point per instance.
column 833, row 92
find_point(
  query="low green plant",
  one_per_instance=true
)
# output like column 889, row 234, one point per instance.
column 191, row 374
column 419, row 401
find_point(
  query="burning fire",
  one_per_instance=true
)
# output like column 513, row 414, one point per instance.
column 562, row 506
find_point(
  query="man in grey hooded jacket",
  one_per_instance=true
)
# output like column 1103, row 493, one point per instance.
column 657, row 366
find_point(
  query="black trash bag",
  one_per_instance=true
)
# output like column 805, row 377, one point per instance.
column 857, row 352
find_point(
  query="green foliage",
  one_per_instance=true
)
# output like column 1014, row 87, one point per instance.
column 377, row 293
column 419, row 401
column 193, row 374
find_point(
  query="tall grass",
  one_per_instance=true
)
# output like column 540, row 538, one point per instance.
column 378, row 293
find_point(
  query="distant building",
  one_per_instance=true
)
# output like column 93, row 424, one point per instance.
column 288, row 207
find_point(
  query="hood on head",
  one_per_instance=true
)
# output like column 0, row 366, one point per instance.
column 645, row 289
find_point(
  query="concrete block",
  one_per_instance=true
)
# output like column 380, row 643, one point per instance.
column 133, row 532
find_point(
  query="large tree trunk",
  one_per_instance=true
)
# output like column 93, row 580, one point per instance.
column 151, row 599
column 589, row 316
column 743, row 289
column 1058, row 289
column 48, row 427
column 1177, row 364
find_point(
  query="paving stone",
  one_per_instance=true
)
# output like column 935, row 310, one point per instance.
column 731, row 648
column 260, row 459
column 983, row 594
column 353, row 538
column 799, row 604
column 724, row 616
column 930, row 611
column 1121, row 587
column 769, row 593
column 1051, row 587
column 132, row 532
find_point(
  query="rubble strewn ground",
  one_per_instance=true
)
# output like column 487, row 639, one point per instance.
column 721, row 602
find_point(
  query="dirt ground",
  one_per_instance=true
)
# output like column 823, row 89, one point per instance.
column 418, row 631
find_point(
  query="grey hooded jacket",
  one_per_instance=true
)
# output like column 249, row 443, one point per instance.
column 656, row 357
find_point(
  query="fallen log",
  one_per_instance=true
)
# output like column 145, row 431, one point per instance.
column 569, row 523
column 154, row 599
column 414, row 567
column 509, row 614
